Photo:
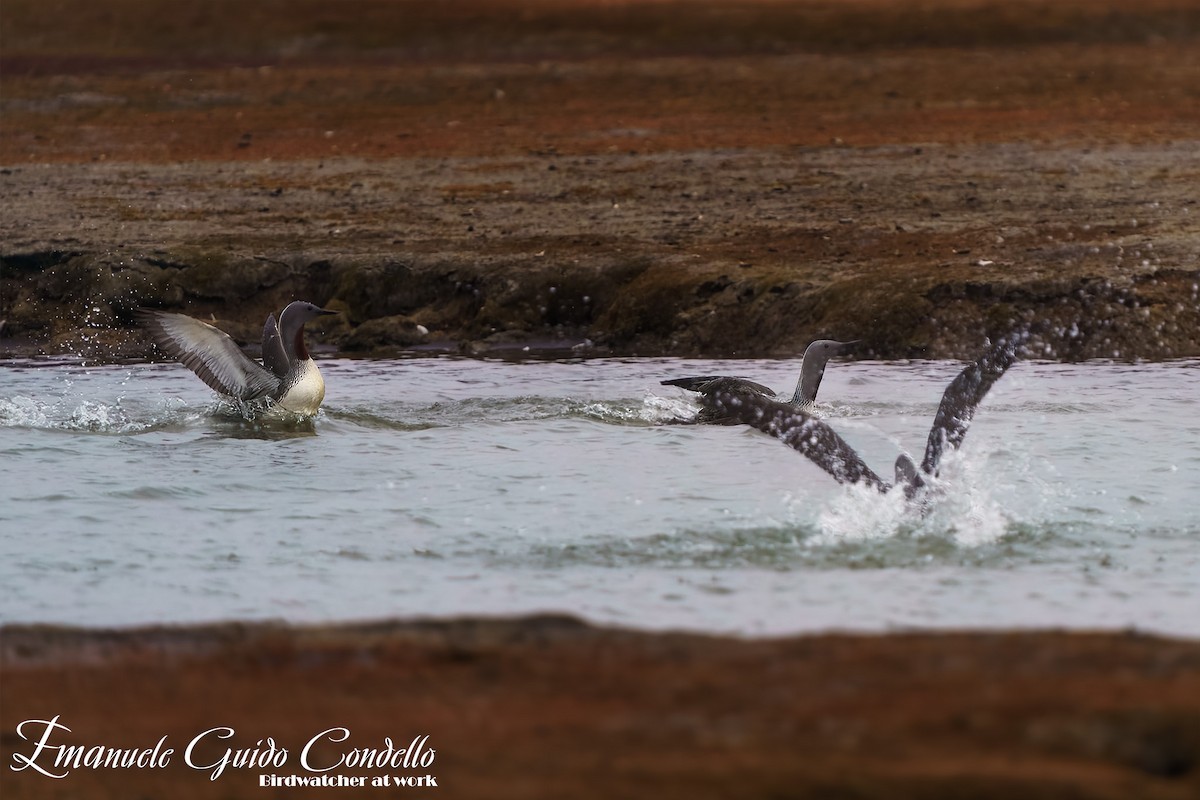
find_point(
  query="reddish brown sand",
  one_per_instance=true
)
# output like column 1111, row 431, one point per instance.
column 729, row 177
column 223, row 79
column 549, row 708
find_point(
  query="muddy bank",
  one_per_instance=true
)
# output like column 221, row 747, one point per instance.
column 551, row 707
column 636, row 177
column 918, row 251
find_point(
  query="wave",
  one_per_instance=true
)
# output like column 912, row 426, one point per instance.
column 66, row 415
column 792, row 547
column 412, row 416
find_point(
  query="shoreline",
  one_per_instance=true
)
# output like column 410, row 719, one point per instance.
column 752, row 275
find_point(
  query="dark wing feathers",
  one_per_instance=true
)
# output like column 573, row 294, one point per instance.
column 274, row 356
column 962, row 397
column 806, row 434
column 736, row 401
column 209, row 353
column 711, row 383
column 708, row 385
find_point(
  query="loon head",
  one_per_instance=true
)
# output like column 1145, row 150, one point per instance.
column 812, row 368
column 291, row 326
column 301, row 312
column 824, row 349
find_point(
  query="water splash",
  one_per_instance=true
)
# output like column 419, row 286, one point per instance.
column 65, row 414
column 960, row 507
column 861, row 514
column 659, row 409
column 964, row 506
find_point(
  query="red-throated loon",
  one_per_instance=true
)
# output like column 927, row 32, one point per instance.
column 287, row 379
column 820, row 443
column 812, row 369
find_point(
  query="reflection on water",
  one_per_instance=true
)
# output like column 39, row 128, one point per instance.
column 447, row 485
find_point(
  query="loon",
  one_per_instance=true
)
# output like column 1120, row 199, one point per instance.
column 815, row 439
column 287, row 379
column 812, row 369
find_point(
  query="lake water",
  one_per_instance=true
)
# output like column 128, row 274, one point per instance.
column 439, row 486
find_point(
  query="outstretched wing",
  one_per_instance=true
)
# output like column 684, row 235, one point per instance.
column 809, row 435
column 273, row 355
column 209, row 353
column 711, row 383
column 962, row 397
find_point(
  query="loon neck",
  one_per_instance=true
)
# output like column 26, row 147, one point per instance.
column 299, row 351
column 810, row 381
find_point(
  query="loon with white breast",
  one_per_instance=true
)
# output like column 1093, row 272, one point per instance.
column 815, row 439
column 812, row 370
column 288, row 378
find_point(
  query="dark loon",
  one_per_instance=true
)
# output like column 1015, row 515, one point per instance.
column 812, row 369
column 287, row 379
column 820, row 443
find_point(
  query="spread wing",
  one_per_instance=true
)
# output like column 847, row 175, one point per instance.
column 809, row 435
column 273, row 355
column 710, row 384
column 962, row 397
column 209, row 353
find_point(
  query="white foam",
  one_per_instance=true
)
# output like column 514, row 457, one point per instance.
column 65, row 414
column 656, row 408
column 23, row 412
column 963, row 504
column 860, row 513
column 960, row 505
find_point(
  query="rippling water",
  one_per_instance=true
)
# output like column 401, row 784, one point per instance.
column 129, row 494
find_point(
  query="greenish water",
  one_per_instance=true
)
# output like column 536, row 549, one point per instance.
column 129, row 494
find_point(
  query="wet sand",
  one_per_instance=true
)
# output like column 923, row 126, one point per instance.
column 549, row 707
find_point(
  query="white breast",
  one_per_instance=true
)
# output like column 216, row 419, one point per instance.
column 306, row 392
